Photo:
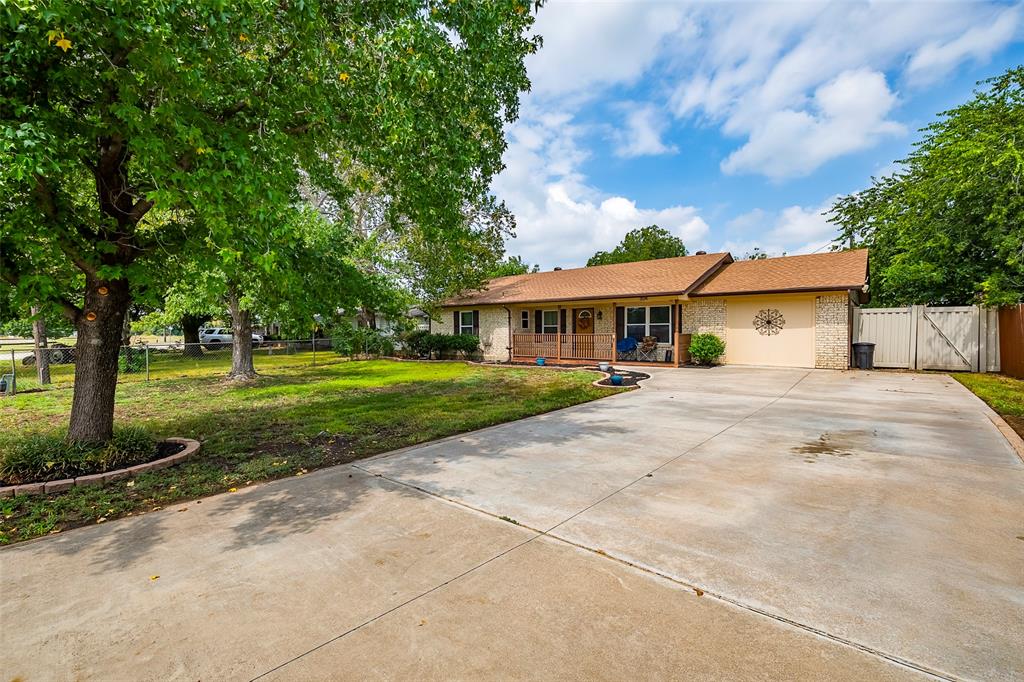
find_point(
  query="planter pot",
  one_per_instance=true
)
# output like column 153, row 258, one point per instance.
column 540, row 361
column 604, row 366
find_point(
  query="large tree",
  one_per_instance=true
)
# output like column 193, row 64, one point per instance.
column 200, row 112
column 948, row 227
column 644, row 243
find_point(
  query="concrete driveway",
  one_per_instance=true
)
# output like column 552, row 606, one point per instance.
column 736, row 523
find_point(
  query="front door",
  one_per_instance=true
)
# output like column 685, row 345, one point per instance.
column 584, row 321
column 583, row 333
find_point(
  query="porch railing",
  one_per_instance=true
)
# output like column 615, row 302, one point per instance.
column 564, row 346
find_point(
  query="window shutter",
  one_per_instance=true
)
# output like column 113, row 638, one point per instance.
column 476, row 323
column 537, row 323
column 562, row 312
column 574, row 313
column 455, row 323
column 620, row 322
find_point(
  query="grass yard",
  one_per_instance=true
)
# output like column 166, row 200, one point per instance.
column 289, row 422
column 176, row 365
column 1003, row 394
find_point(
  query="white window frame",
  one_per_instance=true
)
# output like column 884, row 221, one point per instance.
column 462, row 325
column 544, row 326
column 647, row 324
column 524, row 320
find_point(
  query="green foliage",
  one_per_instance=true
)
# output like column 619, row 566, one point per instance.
column 946, row 228
column 644, row 243
column 350, row 341
column 39, row 457
column 131, row 360
column 425, row 344
column 512, row 265
column 705, row 349
column 141, row 137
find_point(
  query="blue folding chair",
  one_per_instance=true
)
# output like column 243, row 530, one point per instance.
column 625, row 349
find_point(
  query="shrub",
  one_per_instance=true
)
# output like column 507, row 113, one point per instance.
column 349, row 340
column 417, row 342
column 705, row 349
column 131, row 360
column 39, row 457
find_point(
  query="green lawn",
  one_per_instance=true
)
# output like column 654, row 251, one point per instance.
column 1003, row 394
column 290, row 421
column 175, row 365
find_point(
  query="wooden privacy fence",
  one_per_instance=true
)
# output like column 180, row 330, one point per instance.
column 952, row 338
column 1011, row 340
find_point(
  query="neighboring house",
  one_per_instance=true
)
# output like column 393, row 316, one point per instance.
column 792, row 312
column 420, row 317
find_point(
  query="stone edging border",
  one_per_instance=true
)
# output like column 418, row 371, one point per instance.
column 191, row 448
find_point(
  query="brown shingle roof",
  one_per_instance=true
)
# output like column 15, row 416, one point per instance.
column 820, row 271
column 646, row 278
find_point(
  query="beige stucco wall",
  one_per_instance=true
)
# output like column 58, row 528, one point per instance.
column 831, row 327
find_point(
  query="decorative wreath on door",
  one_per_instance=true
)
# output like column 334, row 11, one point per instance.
column 769, row 322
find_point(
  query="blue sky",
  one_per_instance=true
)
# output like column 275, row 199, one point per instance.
column 733, row 125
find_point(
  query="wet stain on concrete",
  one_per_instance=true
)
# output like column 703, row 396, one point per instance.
column 832, row 444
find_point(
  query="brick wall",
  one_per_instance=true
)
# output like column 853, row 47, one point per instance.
column 494, row 339
column 704, row 316
column 831, row 332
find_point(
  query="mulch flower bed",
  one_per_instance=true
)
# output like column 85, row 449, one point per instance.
column 629, row 378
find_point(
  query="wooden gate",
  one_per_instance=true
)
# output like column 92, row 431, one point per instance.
column 947, row 338
column 1011, row 340
column 950, row 338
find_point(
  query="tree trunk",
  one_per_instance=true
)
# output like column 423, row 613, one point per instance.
column 96, row 354
column 190, row 325
column 126, row 331
column 242, row 368
column 41, row 352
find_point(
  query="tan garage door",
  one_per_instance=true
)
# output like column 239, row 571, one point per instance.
column 770, row 330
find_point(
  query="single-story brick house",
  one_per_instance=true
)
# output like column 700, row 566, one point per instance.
column 793, row 311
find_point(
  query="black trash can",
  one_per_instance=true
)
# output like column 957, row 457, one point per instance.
column 864, row 355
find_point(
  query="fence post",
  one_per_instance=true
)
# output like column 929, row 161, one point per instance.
column 14, row 375
column 915, row 319
column 314, row 349
column 146, row 347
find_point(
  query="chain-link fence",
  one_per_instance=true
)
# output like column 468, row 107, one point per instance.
column 20, row 366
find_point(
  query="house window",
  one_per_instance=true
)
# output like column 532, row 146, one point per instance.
column 465, row 322
column 649, row 321
column 549, row 322
column 525, row 320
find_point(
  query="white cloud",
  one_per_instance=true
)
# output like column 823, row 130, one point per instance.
column 644, row 127
column 594, row 44
column 797, row 84
column 793, row 230
column 935, row 59
column 562, row 220
column 761, row 68
column 845, row 115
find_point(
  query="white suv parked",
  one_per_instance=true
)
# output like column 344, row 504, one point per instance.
column 215, row 337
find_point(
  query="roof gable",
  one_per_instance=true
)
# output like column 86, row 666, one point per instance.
column 644, row 278
column 836, row 270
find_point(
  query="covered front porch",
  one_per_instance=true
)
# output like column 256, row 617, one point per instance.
column 640, row 331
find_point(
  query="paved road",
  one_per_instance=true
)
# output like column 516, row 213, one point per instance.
column 730, row 523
